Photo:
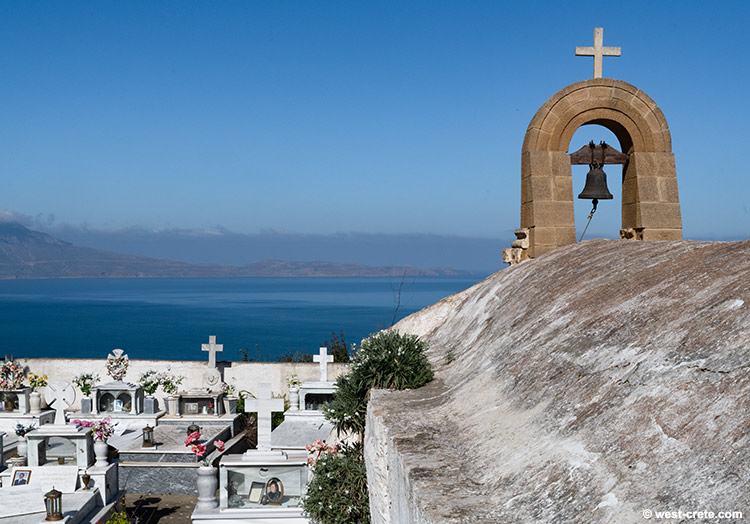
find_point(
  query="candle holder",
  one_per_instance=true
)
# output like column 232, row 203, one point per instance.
column 53, row 505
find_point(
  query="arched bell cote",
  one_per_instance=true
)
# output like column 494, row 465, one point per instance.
column 650, row 201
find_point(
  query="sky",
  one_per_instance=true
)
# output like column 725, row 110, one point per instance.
column 146, row 126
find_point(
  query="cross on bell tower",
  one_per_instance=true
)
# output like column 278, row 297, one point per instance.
column 598, row 51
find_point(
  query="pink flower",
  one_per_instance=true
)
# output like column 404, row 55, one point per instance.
column 193, row 437
column 199, row 449
column 219, row 445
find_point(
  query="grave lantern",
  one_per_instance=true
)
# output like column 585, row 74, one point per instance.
column 148, row 437
column 53, row 505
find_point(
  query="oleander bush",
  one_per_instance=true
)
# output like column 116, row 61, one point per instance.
column 338, row 493
column 386, row 360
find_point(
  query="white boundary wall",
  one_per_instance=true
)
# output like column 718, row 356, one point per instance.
column 243, row 375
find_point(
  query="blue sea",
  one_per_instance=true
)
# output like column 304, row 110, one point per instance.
column 169, row 318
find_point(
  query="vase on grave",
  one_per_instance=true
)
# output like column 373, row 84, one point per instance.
column 22, row 447
column 101, row 449
column 293, row 399
column 173, row 403
column 35, row 403
column 87, row 404
column 230, row 405
column 150, row 405
column 207, row 484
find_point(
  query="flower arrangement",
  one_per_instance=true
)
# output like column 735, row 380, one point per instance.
column 101, row 429
column 228, row 389
column 11, row 376
column 21, row 430
column 86, row 381
column 193, row 441
column 169, row 382
column 37, row 381
column 294, row 381
column 318, row 449
column 150, row 381
column 117, row 366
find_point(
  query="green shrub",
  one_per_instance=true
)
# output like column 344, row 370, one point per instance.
column 386, row 360
column 337, row 493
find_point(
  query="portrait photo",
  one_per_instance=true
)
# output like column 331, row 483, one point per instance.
column 274, row 491
column 21, row 477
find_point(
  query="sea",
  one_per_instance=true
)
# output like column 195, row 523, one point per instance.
column 255, row 318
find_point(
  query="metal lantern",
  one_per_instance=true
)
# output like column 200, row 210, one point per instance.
column 148, row 437
column 53, row 505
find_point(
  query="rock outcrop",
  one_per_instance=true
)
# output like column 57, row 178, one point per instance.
column 597, row 383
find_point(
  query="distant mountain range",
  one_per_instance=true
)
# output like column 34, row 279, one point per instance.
column 25, row 253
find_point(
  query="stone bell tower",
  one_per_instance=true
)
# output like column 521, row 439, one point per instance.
column 650, row 201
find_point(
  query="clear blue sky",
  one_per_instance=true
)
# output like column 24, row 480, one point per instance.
column 339, row 117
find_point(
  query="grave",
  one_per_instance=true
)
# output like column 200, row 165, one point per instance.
column 207, row 400
column 312, row 395
column 72, row 447
column 170, row 466
column 117, row 398
column 305, row 422
column 15, row 409
column 263, row 484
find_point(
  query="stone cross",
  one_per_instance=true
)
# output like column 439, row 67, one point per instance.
column 63, row 395
column 212, row 347
column 324, row 358
column 264, row 405
column 598, row 51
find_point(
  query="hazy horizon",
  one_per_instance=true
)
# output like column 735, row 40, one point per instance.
column 391, row 128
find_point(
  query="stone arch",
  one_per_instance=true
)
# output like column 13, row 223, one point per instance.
column 650, row 201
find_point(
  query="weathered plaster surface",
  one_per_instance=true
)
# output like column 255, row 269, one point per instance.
column 587, row 385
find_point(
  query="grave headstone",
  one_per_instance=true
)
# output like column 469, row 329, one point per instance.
column 323, row 358
column 60, row 395
column 212, row 376
column 21, row 500
column 62, row 478
column 264, row 405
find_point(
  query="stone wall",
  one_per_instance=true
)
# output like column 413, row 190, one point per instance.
column 244, row 375
column 593, row 384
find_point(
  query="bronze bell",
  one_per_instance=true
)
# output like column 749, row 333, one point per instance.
column 596, row 184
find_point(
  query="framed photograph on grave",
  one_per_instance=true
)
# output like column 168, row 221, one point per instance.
column 274, row 491
column 256, row 492
column 21, row 477
column 119, row 405
column 191, row 408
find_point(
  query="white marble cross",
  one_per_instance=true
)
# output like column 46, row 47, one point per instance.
column 264, row 405
column 62, row 395
column 212, row 347
column 598, row 51
column 323, row 358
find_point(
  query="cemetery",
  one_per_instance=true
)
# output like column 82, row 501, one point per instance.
column 590, row 381
column 119, row 438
